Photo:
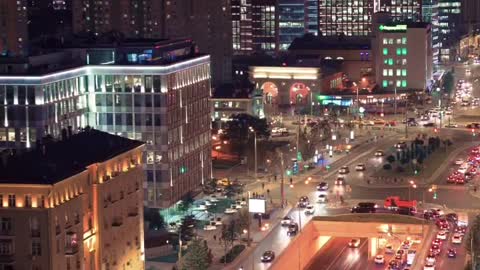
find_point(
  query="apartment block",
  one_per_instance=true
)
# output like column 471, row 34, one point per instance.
column 74, row 203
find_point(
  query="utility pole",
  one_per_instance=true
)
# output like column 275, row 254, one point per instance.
column 249, row 219
column 282, row 172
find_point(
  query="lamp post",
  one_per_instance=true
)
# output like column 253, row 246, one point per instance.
column 255, row 150
column 412, row 184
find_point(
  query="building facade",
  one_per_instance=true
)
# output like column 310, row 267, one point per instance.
column 13, row 27
column 163, row 104
column 402, row 10
column 448, row 30
column 86, row 217
column 349, row 18
column 291, row 21
column 403, row 56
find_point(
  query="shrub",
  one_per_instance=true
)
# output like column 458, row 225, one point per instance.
column 232, row 254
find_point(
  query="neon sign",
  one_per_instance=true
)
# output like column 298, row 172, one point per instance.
column 398, row 27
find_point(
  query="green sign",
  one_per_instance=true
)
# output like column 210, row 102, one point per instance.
column 299, row 156
column 398, row 27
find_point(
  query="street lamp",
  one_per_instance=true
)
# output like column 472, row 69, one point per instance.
column 412, row 184
column 255, row 150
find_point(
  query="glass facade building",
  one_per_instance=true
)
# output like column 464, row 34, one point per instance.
column 402, row 10
column 447, row 30
column 350, row 18
column 291, row 21
column 165, row 106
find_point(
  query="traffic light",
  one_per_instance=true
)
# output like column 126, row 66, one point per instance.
column 435, row 195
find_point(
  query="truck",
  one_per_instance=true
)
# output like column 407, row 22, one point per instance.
column 462, row 219
column 394, row 202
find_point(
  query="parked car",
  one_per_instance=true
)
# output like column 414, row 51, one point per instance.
column 292, row 229
column 309, row 210
column 286, row 221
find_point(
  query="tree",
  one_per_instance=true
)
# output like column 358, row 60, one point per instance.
column 448, row 82
column 196, row 257
column 238, row 131
column 155, row 220
column 242, row 221
column 230, row 232
column 186, row 202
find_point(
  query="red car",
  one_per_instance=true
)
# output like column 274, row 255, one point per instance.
column 451, row 179
column 435, row 249
column 472, row 170
column 460, row 181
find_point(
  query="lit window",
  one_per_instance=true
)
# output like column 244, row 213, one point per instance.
column 404, row 51
column 390, row 62
column 404, row 83
column 385, row 72
column 404, row 40
column 399, row 83
column 385, row 83
column 399, row 51
column 385, row 41
column 398, row 73
column 390, row 72
column 385, row 51
column 404, row 72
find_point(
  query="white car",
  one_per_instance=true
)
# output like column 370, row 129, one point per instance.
column 360, row 167
column 241, row 202
column 459, row 161
column 463, row 169
column 442, row 235
column 429, row 266
column 213, row 199
column 230, row 211
column 379, row 153
column 210, row 227
column 202, row 207
column 309, row 210
column 286, row 221
column 322, row 198
column 379, row 259
column 457, row 238
column 389, row 249
column 236, row 206
column 430, row 259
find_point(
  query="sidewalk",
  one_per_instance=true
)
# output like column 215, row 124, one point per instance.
column 257, row 236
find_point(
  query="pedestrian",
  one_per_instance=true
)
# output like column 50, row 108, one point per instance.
column 263, row 185
column 214, row 237
column 275, row 178
column 291, row 181
column 268, row 191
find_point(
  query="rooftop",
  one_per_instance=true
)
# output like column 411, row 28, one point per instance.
column 52, row 161
column 310, row 42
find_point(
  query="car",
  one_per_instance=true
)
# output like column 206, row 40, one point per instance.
column 451, row 125
column 360, row 167
column 379, row 259
column 230, row 211
column 344, row 170
column 268, row 256
column 401, row 145
column 365, row 207
column 435, row 249
column 442, row 235
column 340, row 181
column 429, row 124
column 309, row 210
column 292, row 229
column 430, row 258
column 406, row 244
column 461, row 230
column 452, row 217
column 452, row 253
column 394, row 264
column 322, row 198
column 303, row 202
column 459, row 161
column 379, row 153
column 286, row 221
column 241, row 202
column 437, row 242
column 457, row 238
column 354, row 243
column 209, row 227
column 400, row 258
column 439, row 211
column 322, row 186
column 429, row 266
column 217, row 221
column 389, row 249
column 409, row 211
column 400, row 251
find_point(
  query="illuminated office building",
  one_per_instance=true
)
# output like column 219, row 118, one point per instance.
column 403, row 56
column 345, row 17
column 71, row 204
column 448, row 30
column 156, row 92
column 291, row 21
column 402, row 10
